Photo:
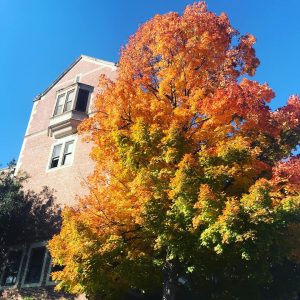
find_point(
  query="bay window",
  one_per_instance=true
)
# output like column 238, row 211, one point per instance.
column 75, row 97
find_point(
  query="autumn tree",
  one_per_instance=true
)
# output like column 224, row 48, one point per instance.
column 196, row 187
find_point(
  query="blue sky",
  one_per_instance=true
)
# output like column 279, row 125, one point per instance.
column 40, row 38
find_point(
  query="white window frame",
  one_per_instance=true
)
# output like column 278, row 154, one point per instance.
column 5, row 287
column 48, row 281
column 63, row 142
column 77, row 86
column 65, row 91
column 32, row 246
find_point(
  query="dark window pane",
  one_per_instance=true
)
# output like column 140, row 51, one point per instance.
column 82, row 100
column 54, row 162
column 55, row 156
column 35, row 265
column 12, row 268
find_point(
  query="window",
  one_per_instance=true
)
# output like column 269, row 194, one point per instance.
column 74, row 98
column 82, row 100
column 35, row 265
column 60, row 104
column 62, row 154
column 55, row 156
column 69, row 100
column 67, row 153
column 52, row 268
column 10, row 274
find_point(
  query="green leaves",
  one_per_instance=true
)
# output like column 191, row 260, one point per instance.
column 188, row 171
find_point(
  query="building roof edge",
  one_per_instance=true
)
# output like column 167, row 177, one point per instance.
column 90, row 58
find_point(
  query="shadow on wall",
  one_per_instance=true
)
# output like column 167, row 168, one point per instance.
column 27, row 221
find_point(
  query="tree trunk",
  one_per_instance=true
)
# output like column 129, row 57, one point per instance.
column 170, row 281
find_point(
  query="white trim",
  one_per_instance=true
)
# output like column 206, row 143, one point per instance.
column 37, row 133
column 4, row 287
column 65, row 91
column 33, row 111
column 77, row 86
column 32, row 246
column 18, row 165
column 89, row 101
column 62, row 141
column 78, row 77
column 99, row 61
column 48, row 281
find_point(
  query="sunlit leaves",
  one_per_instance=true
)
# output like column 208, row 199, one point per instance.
column 192, row 167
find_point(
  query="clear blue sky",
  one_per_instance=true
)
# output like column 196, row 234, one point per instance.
column 40, row 38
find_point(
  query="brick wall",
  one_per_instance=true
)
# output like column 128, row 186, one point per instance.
column 68, row 182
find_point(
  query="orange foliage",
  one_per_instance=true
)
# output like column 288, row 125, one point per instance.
column 190, row 161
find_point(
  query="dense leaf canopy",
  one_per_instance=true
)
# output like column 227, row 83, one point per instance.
column 193, row 168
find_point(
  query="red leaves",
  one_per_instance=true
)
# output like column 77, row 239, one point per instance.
column 183, row 148
column 289, row 115
column 245, row 102
column 287, row 174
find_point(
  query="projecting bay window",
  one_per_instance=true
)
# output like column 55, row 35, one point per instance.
column 75, row 98
column 70, row 109
column 62, row 154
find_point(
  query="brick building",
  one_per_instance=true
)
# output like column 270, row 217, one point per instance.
column 54, row 155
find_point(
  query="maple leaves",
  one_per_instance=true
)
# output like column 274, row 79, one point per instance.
column 286, row 174
column 193, row 170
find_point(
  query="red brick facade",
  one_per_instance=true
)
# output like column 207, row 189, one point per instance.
column 37, row 145
column 64, row 173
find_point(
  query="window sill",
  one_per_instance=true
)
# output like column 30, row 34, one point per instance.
column 51, row 283
column 9, row 287
column 30, row 285
column 58, row 168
